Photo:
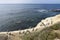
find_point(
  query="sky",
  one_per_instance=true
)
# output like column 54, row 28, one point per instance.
column 30, row 1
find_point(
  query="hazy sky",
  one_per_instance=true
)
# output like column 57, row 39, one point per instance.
column 30, row 1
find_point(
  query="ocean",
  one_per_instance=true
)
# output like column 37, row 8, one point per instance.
column 22, row 16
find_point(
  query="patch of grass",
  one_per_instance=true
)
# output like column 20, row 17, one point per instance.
column 45, row 34
column 3, row 37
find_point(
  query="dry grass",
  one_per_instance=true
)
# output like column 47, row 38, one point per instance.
column 49, row 33
column 45, row 34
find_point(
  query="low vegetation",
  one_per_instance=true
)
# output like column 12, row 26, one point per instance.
column 49, row 33
column 46, row 34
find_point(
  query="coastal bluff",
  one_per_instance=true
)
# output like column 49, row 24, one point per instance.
column 18, row 35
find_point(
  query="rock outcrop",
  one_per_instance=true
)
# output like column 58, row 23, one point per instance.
column 55, row 10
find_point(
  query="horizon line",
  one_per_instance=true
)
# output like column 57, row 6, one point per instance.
column 29, row 3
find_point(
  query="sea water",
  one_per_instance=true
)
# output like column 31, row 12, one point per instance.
column 22, row 16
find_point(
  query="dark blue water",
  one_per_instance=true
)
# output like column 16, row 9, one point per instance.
column 22, row 16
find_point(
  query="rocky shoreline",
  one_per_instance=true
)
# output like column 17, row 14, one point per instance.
column 14, row 35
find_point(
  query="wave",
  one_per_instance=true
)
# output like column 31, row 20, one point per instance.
column 43, row 10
